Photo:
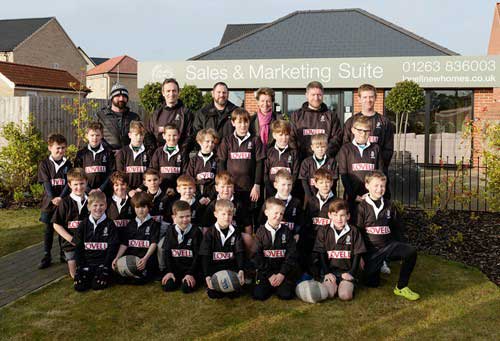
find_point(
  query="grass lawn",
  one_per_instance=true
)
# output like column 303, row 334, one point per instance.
column 458, row 302
column 19, row 228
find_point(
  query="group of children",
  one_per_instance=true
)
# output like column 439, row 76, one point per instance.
column 235, row 205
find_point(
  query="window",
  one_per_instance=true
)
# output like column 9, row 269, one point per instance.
column 237, row 97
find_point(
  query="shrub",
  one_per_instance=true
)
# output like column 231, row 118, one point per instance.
column 191, row 96
column 19, row 159
column 151, row 97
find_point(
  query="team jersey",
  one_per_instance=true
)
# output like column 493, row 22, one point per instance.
column 139, row 237
column 169, row 165
column 310, row 165
column 120, row 211
column 98, row 166
column 293, row 218
column 277, row 160
column 69, row 214
column 49, row 171
column 181, row 250
column 203, row 170
column 133, row 163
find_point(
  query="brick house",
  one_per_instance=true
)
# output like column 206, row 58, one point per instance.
column 101, row 78
column 40, row 42
column 27, row 80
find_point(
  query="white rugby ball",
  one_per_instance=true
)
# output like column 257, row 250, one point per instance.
column 126, row 266
column 225, row 281
column 311, row 291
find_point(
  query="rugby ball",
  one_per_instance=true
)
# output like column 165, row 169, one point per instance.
column 225, row 281
column 311, row 291
column 126, row 266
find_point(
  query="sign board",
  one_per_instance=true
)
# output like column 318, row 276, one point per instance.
column 429, row 72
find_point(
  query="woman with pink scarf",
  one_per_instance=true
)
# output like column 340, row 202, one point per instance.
column 261, row 123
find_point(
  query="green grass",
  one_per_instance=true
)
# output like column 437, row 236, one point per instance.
column 18, row 229
column 458, row 302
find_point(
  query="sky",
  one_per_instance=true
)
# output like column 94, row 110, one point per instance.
column 177, row 30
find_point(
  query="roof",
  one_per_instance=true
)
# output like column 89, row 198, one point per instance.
column 237, row 30
column 98, row 60
column 38, row 77
column 343, row 33
column 123, row 64
column 14, row 31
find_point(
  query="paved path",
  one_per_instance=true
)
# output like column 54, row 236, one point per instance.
column 19, row 274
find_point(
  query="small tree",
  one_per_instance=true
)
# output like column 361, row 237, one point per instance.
column 404, row 99
column 207, row 98
column 19, row 159
column 191, row 96
column 151, row 97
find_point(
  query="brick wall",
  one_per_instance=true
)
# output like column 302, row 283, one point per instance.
column 485, row 109
column 379, row 103
column 51, row 45
column 250, row 101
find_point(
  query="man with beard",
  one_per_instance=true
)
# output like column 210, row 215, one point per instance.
column 116, row 118
column 216, row 115
column 172, row 111
column 315, row 118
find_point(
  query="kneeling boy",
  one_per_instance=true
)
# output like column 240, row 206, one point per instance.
column 382, row 234
column 276, row 255
column 181, row 247
column 97, row 242
column 222, row 248
column 339, row 248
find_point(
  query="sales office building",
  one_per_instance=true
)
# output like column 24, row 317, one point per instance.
column 344, row 49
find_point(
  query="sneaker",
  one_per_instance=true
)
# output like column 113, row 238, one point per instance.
column 385, row 269
column 45, row 262
column 406, row 293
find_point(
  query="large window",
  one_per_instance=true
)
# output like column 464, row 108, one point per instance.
column 295, row 99
column 435, row 132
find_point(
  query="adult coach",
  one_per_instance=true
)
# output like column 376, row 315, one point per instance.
column 381, row 130
column 216, row 115
column 313, row 118
column 171, row 111
column 116, row 118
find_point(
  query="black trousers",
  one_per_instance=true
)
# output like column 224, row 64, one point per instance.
column 48, row 239
column 394, row 251
column 263, row 290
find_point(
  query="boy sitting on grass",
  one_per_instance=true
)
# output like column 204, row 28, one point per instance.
column 222, row 248
column 377, row 221
column 97, row 242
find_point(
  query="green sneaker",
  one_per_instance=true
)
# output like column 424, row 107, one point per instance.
column 406, row 293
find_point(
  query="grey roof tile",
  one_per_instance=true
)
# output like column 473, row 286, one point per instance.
column 14, row 31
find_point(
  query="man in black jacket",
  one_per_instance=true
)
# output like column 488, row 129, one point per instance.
column 216, row 115
column 171, row 111
column 116, row 118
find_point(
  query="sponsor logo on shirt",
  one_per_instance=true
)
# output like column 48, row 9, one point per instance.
column 95, row 246
column 274, row 253
column 74, row 224
column 339, row 254
column 135, row 169
column 205, row 175
column 363, row 167
column 58, row 182
column 275, row 170
column 138, row 243
column 222, row 255
column 312, row 131
column 241, row 156
column 95, row 169
column 378, row 230
column 121, row 222
column 170, row 170
column 182, row 253
column 321, row 221
column 373, row 139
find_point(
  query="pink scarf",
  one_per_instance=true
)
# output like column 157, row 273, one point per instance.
column 264, row 122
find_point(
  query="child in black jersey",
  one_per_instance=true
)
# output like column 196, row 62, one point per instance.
column 119, row 208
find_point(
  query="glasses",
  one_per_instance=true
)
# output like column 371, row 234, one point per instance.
column 364, row 131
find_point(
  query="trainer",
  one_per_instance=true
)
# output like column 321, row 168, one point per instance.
column 216, row 115
column 116, row 118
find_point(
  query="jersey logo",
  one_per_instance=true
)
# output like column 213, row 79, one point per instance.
column 135, row 169
column 105, row 231
column 249, row 146
column 309, row 132
column 57, row 182
column 145, row 159
column 322, row 118
column 221, row 255
column 170, row 170
column 241, row 156
column 388, row 214
column 182, row 253
column 274, row 253
column 95, row 246
column 177, row 117
column 348, row 240
column 205, row 175
column 339, row 254
column 138, row 243
column 104, row 158
column 95, row 169
column 373, row 139
column 121, row 222
column 379, row 230
column 290, row 225
column 147, row 230
column 283, row 238
column 179, row 158
column 363, row 167
column 372, row 155
column 320, row 221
